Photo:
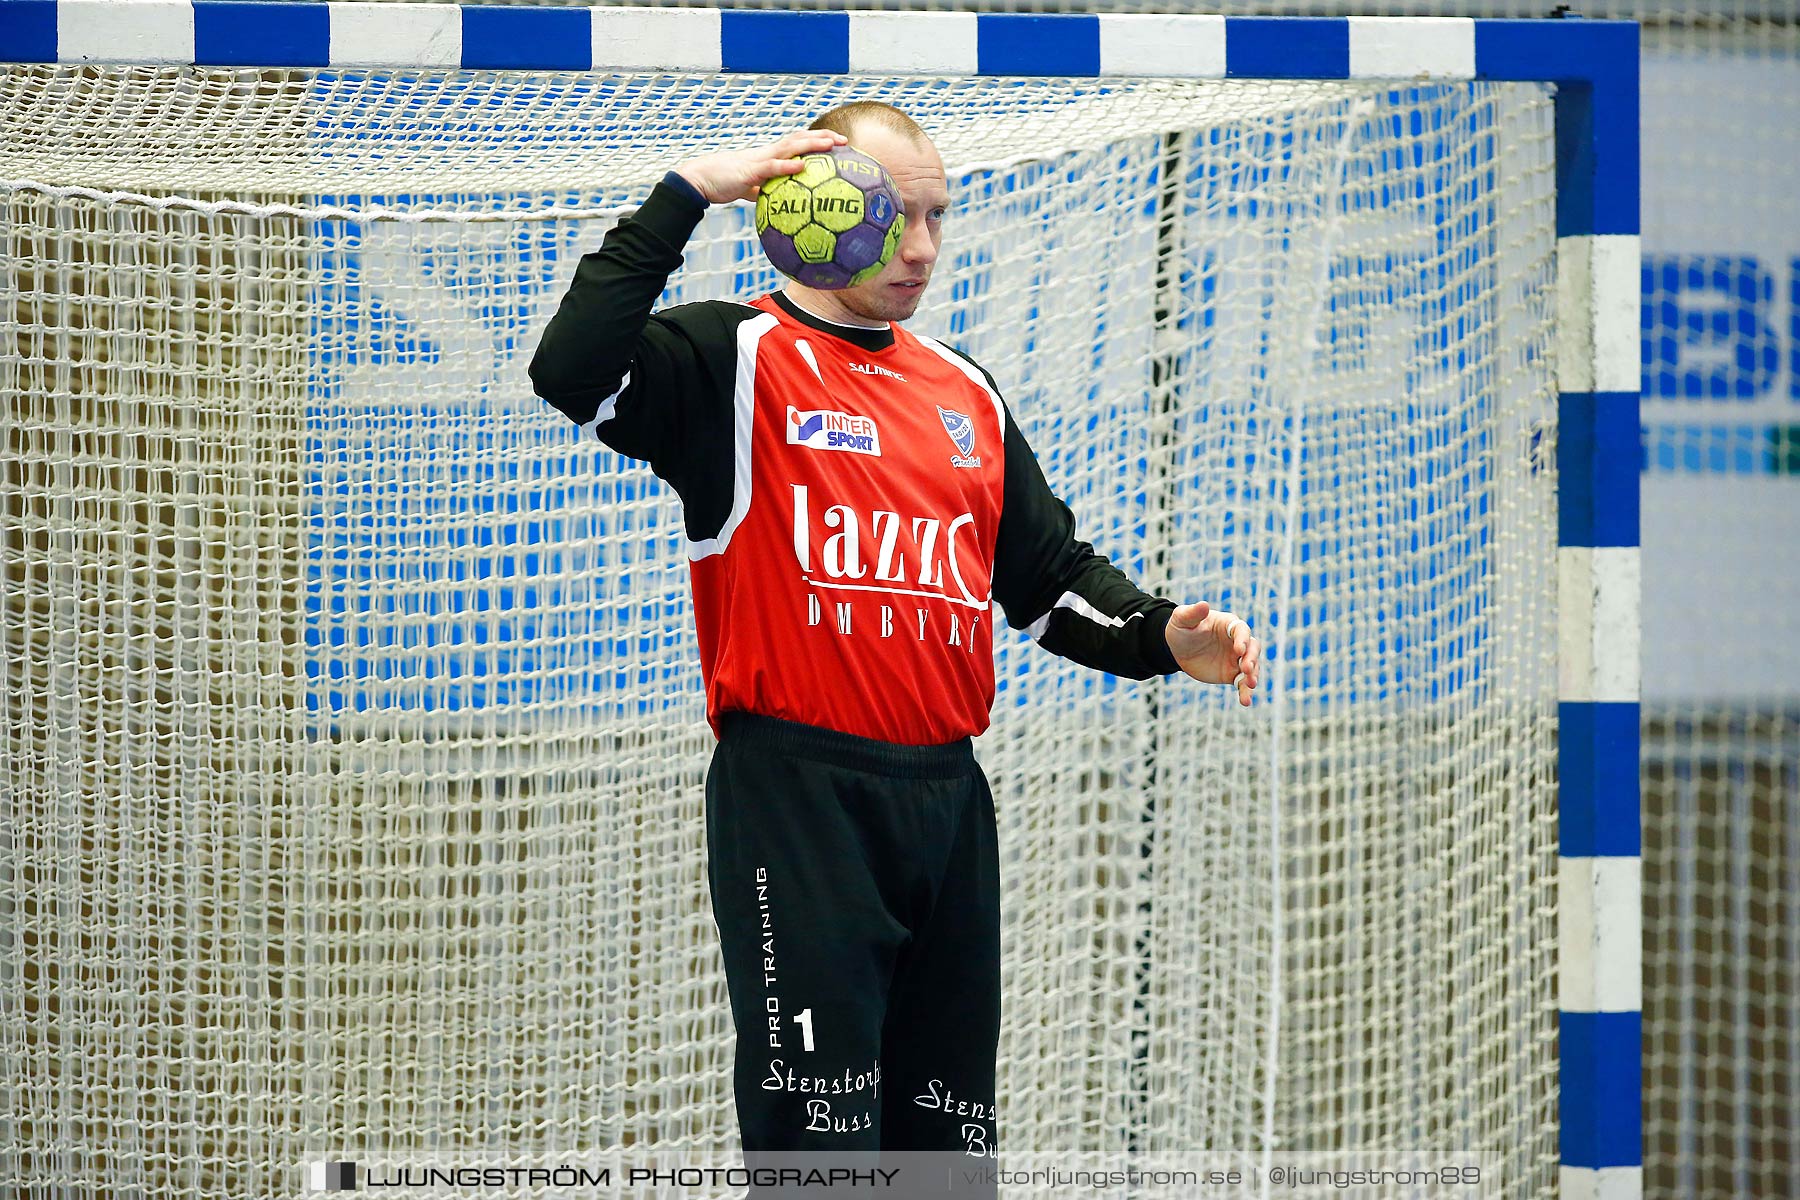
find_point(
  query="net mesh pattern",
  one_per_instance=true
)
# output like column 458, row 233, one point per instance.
column 1721, row 150
column 354, row 727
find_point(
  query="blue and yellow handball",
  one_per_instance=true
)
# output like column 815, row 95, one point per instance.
column 833, row 225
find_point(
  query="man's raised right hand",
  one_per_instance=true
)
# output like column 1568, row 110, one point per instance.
column 740, row 174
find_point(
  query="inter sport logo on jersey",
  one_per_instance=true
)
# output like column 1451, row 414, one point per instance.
column 823, row 429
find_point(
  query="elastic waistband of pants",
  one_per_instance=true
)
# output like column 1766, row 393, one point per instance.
column 945, row 760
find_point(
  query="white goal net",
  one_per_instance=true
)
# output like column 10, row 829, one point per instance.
column 353, row 725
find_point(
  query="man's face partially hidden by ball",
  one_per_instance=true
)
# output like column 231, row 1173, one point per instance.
column 894, row 294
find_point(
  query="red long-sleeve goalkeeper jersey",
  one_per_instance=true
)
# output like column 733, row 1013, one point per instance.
column 856, row 500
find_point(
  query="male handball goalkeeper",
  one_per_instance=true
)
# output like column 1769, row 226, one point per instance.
column 842, row 593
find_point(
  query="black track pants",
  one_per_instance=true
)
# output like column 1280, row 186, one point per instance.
column 856, row 888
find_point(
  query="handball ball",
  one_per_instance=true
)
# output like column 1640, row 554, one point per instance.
column 835, row 224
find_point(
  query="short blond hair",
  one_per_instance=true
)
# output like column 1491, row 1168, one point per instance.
column 846, row 117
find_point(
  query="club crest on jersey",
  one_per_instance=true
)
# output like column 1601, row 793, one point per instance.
column 826, row 429
column 962, row 433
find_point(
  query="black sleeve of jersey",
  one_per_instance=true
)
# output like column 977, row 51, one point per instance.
column 1071, row 599
column 653, row 387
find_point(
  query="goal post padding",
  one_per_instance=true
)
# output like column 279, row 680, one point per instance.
column 353, row 709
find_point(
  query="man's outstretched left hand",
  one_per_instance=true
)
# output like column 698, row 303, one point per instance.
column 1215, row 647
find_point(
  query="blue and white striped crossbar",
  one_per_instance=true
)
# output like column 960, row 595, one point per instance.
column 1594, row 65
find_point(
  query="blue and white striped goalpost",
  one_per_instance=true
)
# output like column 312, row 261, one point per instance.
column 1594, row 68
column 1599, row 899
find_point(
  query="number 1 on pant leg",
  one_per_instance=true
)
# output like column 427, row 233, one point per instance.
column 804, row 1020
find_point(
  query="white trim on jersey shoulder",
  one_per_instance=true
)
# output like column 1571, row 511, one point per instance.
column 749, row 334
column 1079, row 605
column 805, row 349
column 974, row 373
column 608, row 409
